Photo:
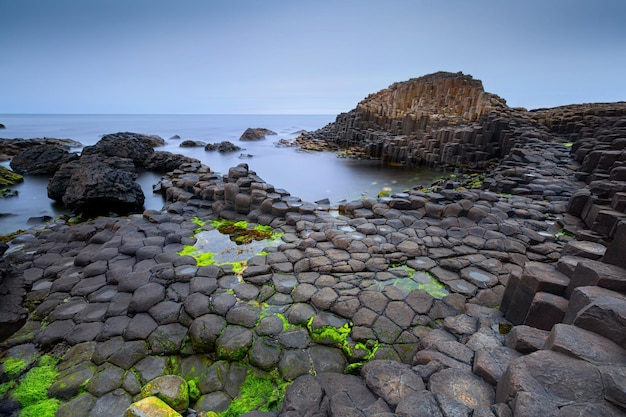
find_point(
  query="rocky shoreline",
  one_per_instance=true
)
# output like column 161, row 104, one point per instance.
column 500, row 294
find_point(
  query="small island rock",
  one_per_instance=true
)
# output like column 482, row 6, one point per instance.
column 256, row 134
column 223, row 147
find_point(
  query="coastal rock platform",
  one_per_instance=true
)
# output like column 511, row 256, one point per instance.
column 484, row 295
column 114, row 300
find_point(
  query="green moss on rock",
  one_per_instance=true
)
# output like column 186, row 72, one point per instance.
column 171, row 389
column 32, row 389
column 262, row 393
column 8, row 177
column 151, row 406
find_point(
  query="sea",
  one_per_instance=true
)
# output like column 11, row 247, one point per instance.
column 312, row 176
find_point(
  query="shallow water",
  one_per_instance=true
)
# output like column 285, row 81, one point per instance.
column 310, row 176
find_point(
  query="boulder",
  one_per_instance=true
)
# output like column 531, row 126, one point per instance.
column 391, row 380
column 98, row 188
column 2, row 126
column 560, row 378
column 223, row 147
column 134, row 146
column 150, row 406
column 192, row 144
column 162, row 161
column 41, row 159
column 171, row 389
column 11, row 147
column 256, row 134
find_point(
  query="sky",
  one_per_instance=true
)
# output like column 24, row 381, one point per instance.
column 299, row 57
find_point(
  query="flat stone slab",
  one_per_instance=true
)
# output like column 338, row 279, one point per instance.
column 584, row 344
column 559, row 377
column 464, row 387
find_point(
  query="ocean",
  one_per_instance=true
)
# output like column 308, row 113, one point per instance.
column 312, row 176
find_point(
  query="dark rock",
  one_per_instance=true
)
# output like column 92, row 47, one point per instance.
column 162, row 161
column 294, row 363
column 589, row 272
column 79, row 406
column 255, row 134
column 264, row 353
column 72, row 380
column 465, row 387
column 233, row 343
column 41, row 160
column 614, row 254
column 605, row 316
column 525, row 339
column 105, row 381
column 134, row 146
column 98, row 188
column 204, row 332
column 490, row 363
column 583, row 296
column 96, row 184
column 192, row 144
column 304, row 398
column 114, row 403
column 559, row 377
column 223, row 147
column 391, row 380
column 419, row 404
column 215, row 401
column 614, row 379
column 145, row 297
column 584, row 344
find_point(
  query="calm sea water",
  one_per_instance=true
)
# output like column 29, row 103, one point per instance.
column 310, row 176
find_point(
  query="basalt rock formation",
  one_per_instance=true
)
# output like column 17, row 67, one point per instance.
column 41, row 159
column 444, row 120
column 11, row 147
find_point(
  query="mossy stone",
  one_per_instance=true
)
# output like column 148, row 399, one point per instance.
column 151, row 406
column 172, row 389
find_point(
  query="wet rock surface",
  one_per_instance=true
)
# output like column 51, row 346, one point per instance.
column 478, row 296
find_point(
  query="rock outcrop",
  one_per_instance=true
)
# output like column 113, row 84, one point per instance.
column 255, row 134
column 223, row 147
column 102, row 180
column 42, row 159
column 445, row 120
column 11, row 147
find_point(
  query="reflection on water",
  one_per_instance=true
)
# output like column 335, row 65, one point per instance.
column 310, row 176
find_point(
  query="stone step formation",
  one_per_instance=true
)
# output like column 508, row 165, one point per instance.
column 484, row 295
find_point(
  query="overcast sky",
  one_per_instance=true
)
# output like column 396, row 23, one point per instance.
column 296, row 56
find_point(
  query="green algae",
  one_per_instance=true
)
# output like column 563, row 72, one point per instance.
column 229, row 243
column 262, row 393
column 415, row 281
column 330, row 334
column 194, row 391
column 568, row 144
column 241, row 233
column 563, row 233
column 202, row 258
column 8, row 177
column 356, row 353
column 13, row 367
column 32, row 390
